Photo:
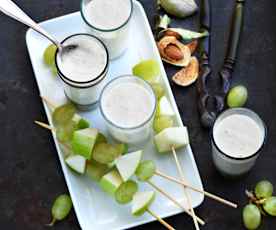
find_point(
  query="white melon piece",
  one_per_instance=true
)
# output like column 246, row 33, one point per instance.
column 76, row 163
column 141, row 201
column 128, row 163
column 164, row 107
column 176, row 137
column 111, row 181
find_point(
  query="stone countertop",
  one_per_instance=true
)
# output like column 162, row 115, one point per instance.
column 31, row 176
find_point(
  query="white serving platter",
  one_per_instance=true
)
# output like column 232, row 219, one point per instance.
column 96, row 210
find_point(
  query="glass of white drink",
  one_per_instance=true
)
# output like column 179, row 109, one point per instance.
column 237, row 139
column 128, row 105
column 83, row 70
column 108, row 20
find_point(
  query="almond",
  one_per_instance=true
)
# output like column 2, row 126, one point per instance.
column 193, row 46
column 173, row 34
column 188, row 75
column 173, row 52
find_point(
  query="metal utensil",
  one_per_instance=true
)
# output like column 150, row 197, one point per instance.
column 231, row 55
column 10, row 9
column 207, row 116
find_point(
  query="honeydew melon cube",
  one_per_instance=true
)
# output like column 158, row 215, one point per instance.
column 76, row 163
column 128, row 163
column 141, row 201
column 83, row 141
column 164, row 107
column 80, row 122
column 111, row 181
column 176, row 137
column 148, row 70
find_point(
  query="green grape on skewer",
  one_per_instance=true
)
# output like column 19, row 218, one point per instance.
column 104, row 153
column 95, row 170
column 145, row 170
column 124, row 194
column 162, row 122
column 63, row 114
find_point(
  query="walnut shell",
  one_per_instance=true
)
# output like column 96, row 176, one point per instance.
column 169, row 40
column 188, row 75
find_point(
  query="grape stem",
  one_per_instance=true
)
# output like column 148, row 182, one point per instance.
column 52, row 223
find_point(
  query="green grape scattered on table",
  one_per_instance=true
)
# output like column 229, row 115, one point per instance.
column 104, row 153
column 63, row 114
column 124, row 194
column 237, row 96
column 251, row 217
column 270, row 206
column 158, row 90
column 263, row 189
column 61, row 208
column 162, row 122
column 145, row 170
column 49, row 55
column 95, row 170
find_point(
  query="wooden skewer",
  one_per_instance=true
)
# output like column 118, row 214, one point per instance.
column 174, row 201
column 48, row 102
column 44, row 125
column 163, row 222
column 208, row 194
column 181, row 173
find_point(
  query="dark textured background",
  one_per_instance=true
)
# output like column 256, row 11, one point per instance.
column 31, row 176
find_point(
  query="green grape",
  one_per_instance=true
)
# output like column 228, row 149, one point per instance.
column 162, row 122
column 54, row 70
column 95, row 170
column 65, row 132
column 145, row 170
column 49, row 55
column 270, row 206
column 63, row 114
column 263, row 189
column 237, row 96
column 158, row 90
column 104, row 153
column 148, row 70
column 83, row 124
column 101, row 138
column 121, row 148
column 251, row 216
column 126, row 191
column 61, row 208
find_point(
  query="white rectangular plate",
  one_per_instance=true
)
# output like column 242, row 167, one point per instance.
column 94, row 209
